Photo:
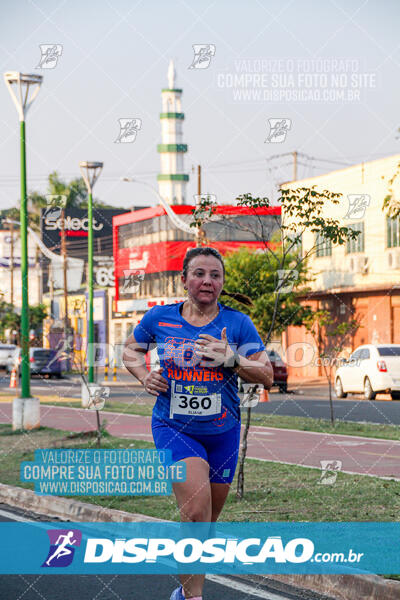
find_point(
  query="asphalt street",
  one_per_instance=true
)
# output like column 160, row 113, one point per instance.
column 129, row 587
column 302, row 401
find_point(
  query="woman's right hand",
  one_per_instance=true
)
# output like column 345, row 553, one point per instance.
column 154, row 382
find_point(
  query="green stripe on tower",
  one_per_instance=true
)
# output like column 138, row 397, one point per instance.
column 172, row 115
column 172, row 147
column 173, row 177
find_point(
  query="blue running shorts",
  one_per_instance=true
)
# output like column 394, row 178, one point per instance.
column 220, row 450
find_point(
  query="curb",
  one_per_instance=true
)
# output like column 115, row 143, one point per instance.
column 340, row 587
column 119, row 383
column 65, row 508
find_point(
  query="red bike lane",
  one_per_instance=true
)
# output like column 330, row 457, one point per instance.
column 358, row 455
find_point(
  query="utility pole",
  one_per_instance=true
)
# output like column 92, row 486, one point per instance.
column 200, row 232
column 67, row 347
column 294, row 166
column 51, row 289
column 64, row 256
column 12, row 263
column 39, row 278
column 199, row 180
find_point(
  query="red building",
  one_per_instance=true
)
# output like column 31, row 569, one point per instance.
column 149, row 250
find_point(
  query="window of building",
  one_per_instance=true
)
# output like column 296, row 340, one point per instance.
column 393, row 231
column 231, row 227
column 356, row 245
column 242, row 227
column 323, row 245
column 126, row 233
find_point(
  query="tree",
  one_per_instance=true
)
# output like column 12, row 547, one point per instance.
column 331, row 335
column 303, row 209
column 76, row 197
column 390, row 202
column 255, row 275
column 10, row 319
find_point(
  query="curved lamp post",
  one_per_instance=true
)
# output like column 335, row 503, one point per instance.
column 179, row 223
column 90, row 173
column 23, row 89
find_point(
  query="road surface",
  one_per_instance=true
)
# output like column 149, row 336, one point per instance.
column 306, row 401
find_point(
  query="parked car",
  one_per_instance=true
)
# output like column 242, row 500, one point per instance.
column 43, row 361
column 6, row 352
column 371, row 368
column 279, row 369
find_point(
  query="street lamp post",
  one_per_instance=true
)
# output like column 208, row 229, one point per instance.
column 24, row 89
column 90, row 173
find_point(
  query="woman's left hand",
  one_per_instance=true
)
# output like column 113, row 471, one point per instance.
column 215, row 349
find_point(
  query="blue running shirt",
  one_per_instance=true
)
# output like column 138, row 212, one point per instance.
column 200, row 399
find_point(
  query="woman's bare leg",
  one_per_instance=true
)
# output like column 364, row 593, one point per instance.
column 198, row 501
column 194, row 502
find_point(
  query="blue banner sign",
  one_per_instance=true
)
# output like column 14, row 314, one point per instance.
column 225, row 548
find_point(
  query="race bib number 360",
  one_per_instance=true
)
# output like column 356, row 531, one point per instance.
column 191, row 400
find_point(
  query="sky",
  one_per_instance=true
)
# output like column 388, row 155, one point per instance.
column 328, row 72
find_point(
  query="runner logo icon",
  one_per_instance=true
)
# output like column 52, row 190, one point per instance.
column 61, row 551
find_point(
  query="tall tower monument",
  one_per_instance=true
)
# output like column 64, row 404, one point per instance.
column 172, row 179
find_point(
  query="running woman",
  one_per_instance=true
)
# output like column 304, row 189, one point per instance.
column 203, row 346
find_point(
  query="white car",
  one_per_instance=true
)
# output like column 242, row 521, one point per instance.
column 371, row 368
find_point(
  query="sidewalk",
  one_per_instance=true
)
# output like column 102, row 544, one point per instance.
column 358, row 455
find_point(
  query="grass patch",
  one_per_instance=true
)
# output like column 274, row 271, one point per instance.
column 273, row 491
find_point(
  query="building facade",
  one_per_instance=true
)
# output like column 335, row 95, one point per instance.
column 10, row 268
column 360, row 279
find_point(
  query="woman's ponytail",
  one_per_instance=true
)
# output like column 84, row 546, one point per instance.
column 242, row 298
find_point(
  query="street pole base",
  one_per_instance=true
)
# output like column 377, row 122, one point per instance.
column 26, row 413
